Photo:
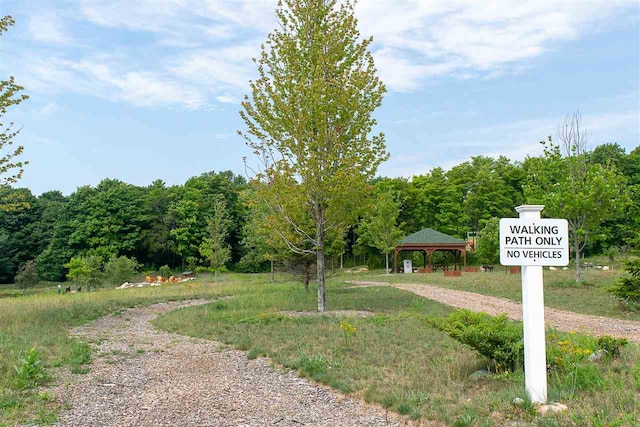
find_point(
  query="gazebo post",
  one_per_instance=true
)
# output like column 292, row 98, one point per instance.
column 395, row 259
column 424, row 259
column 430, row 267
column 464, row 255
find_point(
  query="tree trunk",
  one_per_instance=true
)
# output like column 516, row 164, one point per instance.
column 341, row 262
column 576, row 245
column 320, row 263
column 307, row 278
column 386, row 263
column 273, row 278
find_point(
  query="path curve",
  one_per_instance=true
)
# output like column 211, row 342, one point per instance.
column 144, row 377
column 563, row 320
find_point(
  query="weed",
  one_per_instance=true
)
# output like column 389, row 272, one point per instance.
column 8, row 401
column 79, row 353
column 47, row 396
column 254, row 353
column 47, row 416
column 404, row 408
column 79, row 370
column 347, row 329
column 314, row 366
column 611, row 346
column 140, row 351
column 30, row 373
column 465, row 420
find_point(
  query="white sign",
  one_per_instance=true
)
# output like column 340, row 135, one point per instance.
column 534, row 241
column 408, row 268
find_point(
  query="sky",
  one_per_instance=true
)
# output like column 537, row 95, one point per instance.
column 149, row 89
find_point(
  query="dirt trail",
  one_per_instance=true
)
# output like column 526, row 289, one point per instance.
column 563, row 320
column 144, row 377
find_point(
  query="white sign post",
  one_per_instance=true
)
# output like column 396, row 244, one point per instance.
column 532, row 242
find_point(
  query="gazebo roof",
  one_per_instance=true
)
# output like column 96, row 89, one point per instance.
column 430, row 236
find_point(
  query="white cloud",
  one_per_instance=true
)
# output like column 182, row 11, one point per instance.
column 227, row 67
column 228, row 99
column 194, row 52
column 98, row 78
column 48, row 108
column 416, row 39
column 47, row 27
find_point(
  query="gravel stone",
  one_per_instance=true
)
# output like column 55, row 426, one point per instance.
column 563, row 320
column 143, row 377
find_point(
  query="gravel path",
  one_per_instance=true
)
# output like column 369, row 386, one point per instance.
column 563, row 320
column 144, row 377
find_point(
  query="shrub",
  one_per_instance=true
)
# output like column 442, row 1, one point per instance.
column 611, row 346
column 120, row 269
column 165, row 271
column 493, row 337
column 27, row 276
column 627, row 289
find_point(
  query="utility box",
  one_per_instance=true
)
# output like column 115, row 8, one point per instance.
column 408, row 268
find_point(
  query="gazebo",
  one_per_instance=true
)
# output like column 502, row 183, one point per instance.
column 429, row 241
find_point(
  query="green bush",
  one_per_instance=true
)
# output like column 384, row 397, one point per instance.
column 611, row 346
column 120, row 269
column 496, row 338
column 627, row 289
column 165, row 271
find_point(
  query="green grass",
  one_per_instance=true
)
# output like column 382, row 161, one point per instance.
column 560, row 289
column 42, row 319
column 395, row 359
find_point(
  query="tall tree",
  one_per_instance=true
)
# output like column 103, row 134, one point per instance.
column 214, row 248
column 489, row 242
column 309, row 121
column 10, row 167
column 380, row 228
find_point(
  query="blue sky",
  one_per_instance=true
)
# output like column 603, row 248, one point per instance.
column 148, row 89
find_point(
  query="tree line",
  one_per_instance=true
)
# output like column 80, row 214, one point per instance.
column 167, row 225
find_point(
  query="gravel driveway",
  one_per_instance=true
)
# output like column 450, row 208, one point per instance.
column 563, row 320
column 144, row 377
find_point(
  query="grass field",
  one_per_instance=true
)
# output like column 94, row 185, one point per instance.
column 394, row 358
column 397, row 360
column 42, row 320
column 560, row 288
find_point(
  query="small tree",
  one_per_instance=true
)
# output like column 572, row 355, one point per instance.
column 79, row 271
column 214, row 247
column 85, row 271
column 489, row 242
column 586, row 194
column 27, row 276
column 119, row 270
column 627, row 289
column 379, row 228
